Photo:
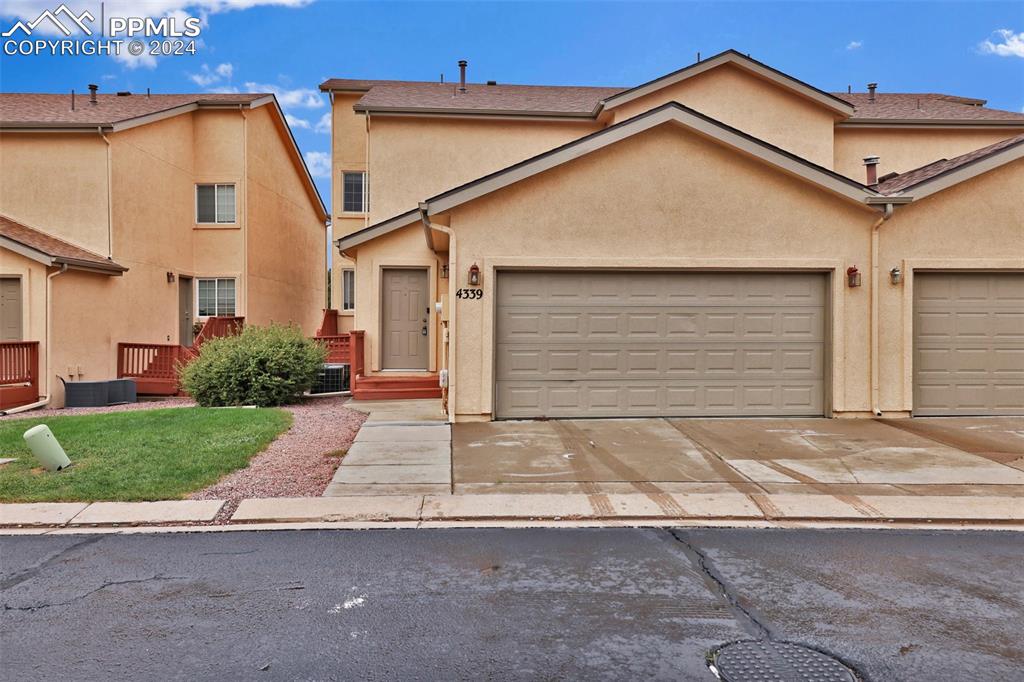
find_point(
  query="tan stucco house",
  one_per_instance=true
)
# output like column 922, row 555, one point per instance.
column 127, row 218
column 724, row 240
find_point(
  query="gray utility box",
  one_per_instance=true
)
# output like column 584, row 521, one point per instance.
column 99, row 393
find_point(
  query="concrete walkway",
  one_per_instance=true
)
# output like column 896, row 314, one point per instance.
column 403, row 448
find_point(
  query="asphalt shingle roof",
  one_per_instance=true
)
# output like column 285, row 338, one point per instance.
column 934, row 169
column 58, row 249
column 53, row 110
column 924, row 107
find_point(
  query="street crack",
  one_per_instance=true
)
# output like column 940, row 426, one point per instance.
column 748, row 619
column 33, row 571
column 86, row 595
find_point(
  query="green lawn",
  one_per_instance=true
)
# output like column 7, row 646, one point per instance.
column 142, row 455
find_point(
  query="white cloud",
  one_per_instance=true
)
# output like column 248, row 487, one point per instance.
column 324, row 124
column 296, row 122
column 207, row 76
column 854, row 45
column 319, row 164
column 1011, row 44
column 224, row 90
column 298, row 98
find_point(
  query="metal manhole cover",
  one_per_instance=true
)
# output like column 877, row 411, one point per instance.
column 777, row 662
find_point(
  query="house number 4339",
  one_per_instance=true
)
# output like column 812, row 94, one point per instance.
column 469, row 293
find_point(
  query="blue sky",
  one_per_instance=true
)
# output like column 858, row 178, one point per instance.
column 289, row 46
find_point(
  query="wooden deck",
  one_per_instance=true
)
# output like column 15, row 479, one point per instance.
column 19, row 373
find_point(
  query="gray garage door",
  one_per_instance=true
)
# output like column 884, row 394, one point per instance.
column 601, row 344
column 968, row 343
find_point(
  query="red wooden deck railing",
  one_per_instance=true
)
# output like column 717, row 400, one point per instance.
column 338, row 348
column 218, row 326
column 154, row 366
column 329, row 325
column 19, row 373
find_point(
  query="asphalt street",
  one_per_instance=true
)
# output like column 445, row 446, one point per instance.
column 505, row 604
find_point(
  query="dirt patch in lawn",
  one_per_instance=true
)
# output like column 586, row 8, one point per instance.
column 300, row 463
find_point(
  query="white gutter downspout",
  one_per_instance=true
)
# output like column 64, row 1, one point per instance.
column 875, row 401
column 46, row 362
column 427, row 226
column 110, row 200
column 366, row 178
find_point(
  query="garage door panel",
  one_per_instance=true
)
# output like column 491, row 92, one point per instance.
column 582, row 324
column 652, row 398
column 968, row 343
column 685, row 361
column 659, row 343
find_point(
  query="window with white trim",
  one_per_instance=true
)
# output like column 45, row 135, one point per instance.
column 215, row 204
column 355, row 192
column 348, row 289
column 216, row 297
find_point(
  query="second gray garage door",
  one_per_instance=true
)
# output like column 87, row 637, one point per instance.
column 968, row 343
column 610, row 344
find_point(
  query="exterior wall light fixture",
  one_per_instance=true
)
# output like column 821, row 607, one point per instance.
column 170, row 278
column 852, row 276
column 474, row 275
column 896, row 275
column 444, row 272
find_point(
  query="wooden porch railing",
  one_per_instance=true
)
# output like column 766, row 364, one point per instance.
column 19, row 373
column 218, row 326
column 154, row 366
column 329, row 325
column 339, row 349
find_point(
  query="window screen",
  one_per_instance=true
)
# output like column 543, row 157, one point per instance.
column 215, row 203
column 216, row 297
column 348, row 289
column 354, row 193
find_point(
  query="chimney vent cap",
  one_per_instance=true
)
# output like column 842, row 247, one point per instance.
column 871, row 160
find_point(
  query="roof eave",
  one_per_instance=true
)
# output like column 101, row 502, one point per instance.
column 928, row 123
column 955, row 176
column 463, row 113
column 31, row 252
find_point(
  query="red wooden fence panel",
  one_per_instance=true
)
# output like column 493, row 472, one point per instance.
column 19, row 373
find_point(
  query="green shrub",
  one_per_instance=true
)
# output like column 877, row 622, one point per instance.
column 263, row 366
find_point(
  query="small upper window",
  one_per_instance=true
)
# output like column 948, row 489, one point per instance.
column 215, row 203
column 348, row 289
column 355, row 192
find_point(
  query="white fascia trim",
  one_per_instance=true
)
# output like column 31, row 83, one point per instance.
column 945, row 124
column 463, row 114
column 26, row 251
column 611, row 136
column 357, row 238
column 729, row 58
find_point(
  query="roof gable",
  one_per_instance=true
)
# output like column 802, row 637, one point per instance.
column 49, row 250
column 671, row 112
column 825, row 99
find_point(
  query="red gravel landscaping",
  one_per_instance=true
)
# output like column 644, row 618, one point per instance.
column 300, row 463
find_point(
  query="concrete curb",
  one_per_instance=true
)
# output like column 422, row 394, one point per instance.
column 505, row 510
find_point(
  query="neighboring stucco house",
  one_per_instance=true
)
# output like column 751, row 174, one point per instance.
column 707, row 243
column 129, row 217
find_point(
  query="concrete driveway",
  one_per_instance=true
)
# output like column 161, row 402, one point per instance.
column 830, row 456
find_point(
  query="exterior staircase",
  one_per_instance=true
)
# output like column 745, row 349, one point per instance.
column 383, row 387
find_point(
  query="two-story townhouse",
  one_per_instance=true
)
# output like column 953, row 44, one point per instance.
column 722, row 240
column 130, row 218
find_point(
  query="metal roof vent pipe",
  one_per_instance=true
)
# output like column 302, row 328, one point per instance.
column 871, row 91
column 871, row 164
column 462, row 74
column 92, row 93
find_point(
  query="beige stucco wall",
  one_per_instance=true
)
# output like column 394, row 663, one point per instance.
column 410, row 161
column 33, row 299
column 735, row 213
column 286, row 241
column 154, row 170
column 58, row 184
column 901, row 150
column 756, row 106
column 976, row 225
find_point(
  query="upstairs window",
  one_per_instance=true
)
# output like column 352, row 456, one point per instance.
column 348, row 289
column 354, row 192
column 215, row 204
column 216, row 297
